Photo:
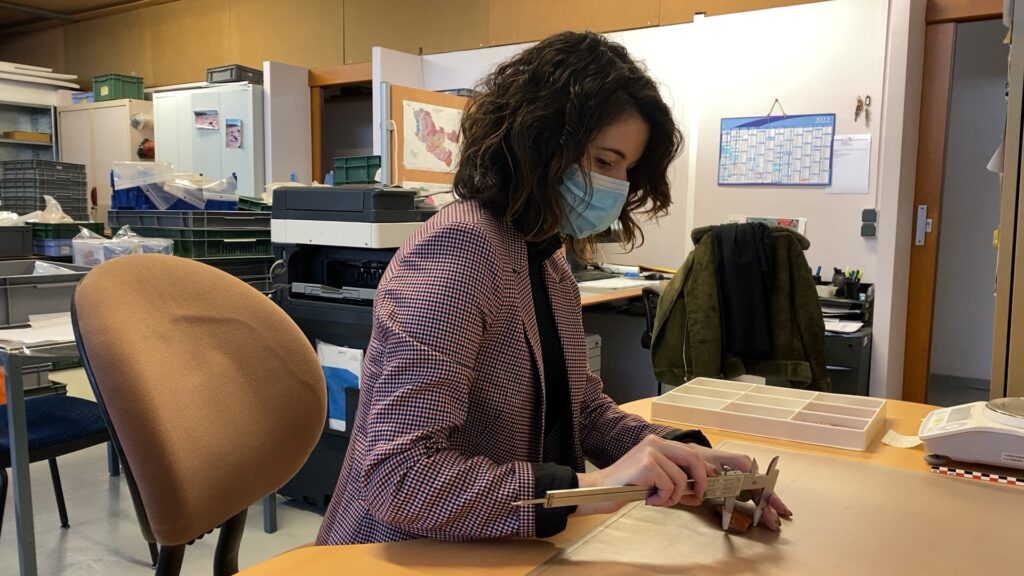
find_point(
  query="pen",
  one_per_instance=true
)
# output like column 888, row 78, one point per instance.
column 818, row 273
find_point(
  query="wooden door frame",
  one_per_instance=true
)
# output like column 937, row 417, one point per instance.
column 942, row 17
column 1007, row 377
column 320, row 78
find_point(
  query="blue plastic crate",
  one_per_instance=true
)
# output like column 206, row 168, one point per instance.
column 51, row 247
column 135, row 199
column 214, row 205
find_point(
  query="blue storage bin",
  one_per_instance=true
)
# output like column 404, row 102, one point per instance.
column 51, row 247
column 135, row 199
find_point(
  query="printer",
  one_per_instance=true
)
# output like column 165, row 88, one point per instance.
column 335, row 242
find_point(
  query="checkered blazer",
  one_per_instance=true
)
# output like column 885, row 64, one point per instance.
column 450, row 415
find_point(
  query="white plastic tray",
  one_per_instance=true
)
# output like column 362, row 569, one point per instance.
column 837, row 420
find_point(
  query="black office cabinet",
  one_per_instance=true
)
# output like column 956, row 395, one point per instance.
column 848, row 360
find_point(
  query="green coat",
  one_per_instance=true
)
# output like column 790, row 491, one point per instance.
column 687, row 339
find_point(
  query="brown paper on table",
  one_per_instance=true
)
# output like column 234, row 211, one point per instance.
column 849, row 518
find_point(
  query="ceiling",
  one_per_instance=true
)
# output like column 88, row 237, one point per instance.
column 25, row 15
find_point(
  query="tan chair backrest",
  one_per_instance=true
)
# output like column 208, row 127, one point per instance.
column 215, row 395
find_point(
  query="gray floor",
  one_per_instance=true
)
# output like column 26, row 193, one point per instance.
column 104, row 537
column 944, row 390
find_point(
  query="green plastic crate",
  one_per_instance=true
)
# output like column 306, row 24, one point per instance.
column 252, row 204
column 117, row 86
column 203, row 233
column 356, row 169
column 43, row 231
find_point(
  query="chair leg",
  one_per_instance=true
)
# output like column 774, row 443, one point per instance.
column 154, row 553
column 58, row 491
column 171, row 558
column 3, row 495
column 113, row 464
column 225, row 558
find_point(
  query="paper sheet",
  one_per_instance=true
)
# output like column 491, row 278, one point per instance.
column 842, row 327
column 49, row 328
column 894, row 438
column 851, row 164
column 342, row 369
column 614, row 284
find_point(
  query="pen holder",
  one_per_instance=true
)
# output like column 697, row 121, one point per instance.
column 839, row 281
column 850, row 289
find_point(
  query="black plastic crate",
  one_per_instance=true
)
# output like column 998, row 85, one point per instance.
column 234, row 73
column 242, row 267
column 15, row 241
column 242, row 248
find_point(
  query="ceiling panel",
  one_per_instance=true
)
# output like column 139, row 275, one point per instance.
column 11, row 18
column 71, row 6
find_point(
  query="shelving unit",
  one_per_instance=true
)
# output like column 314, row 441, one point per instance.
column 19, row 116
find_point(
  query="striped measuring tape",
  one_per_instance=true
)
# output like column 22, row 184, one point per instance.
column 994, row 478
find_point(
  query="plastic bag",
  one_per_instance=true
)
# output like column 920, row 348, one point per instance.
column 8, row 219
column 125, row 232
column 197, row 190
column 150, row 177
column 30, row 217
column 53, row 214
column 131, row 174
column 90, row 249
column 87, row 248
column 45, row 268
column 187, row 187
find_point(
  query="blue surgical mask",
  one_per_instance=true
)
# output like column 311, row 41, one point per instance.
column 593, row 212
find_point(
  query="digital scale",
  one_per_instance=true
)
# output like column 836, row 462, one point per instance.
column 981, row 432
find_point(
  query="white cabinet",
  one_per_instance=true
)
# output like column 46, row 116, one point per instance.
column 99, row 134
column 191, row 129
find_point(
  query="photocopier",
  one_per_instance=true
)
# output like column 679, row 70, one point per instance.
column 335, row 242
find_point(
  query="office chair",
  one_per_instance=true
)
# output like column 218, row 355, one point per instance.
column 212, row 395
column 57, row 425
column 650, row 295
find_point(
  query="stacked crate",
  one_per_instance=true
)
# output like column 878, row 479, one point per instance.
column 55, row 239
column 23, row 183
column 235, row 242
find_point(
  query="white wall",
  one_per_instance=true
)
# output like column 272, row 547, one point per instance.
column 965, row 279
column 818, row 59
column 814, row 58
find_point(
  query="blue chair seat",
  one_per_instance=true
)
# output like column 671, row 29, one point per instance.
column 57, row 425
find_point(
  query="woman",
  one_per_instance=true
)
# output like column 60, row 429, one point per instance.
column 475, row 390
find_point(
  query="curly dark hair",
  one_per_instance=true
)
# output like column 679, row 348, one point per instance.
column 535, row 115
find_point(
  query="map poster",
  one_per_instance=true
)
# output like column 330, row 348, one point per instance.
column 430, row 138
column 777, row 150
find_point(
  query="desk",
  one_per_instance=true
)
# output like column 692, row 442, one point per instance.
column 508, row 557
column 588, row 298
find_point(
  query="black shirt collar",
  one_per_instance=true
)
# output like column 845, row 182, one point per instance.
column 541, row 250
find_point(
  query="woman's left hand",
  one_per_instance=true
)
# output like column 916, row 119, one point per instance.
column 721, row 460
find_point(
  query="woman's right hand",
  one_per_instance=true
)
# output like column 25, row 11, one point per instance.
column 663, row 465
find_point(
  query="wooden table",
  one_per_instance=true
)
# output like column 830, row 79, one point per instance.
column 508, row 557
